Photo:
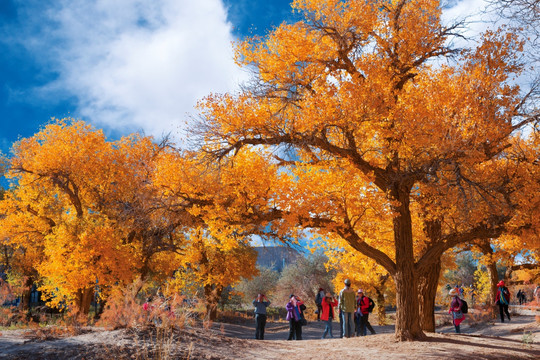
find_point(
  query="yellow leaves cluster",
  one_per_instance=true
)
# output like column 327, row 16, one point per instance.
column 83, row 211
column 209, row 262
column 378, row 137
column 362, row 68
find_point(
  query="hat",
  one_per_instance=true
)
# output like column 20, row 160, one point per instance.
column 321, row 289
column 347, row 282
column 500, row 283
column 453, row 292
column 360, row 291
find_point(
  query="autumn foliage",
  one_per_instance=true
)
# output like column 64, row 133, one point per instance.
column 374, row 115
column 362, row 127
column 85, row 213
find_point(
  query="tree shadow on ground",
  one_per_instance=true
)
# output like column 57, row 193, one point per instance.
column 462, row 340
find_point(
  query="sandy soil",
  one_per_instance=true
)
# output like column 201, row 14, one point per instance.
column 518, row 339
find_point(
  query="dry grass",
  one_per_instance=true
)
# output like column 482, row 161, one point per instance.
column 123, row 311
column 9, row 316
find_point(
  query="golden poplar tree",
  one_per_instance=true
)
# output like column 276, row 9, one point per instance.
column 356, row 94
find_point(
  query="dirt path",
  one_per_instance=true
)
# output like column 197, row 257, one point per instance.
column 233, row 341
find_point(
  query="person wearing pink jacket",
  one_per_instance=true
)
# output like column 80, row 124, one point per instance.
column 455, row 310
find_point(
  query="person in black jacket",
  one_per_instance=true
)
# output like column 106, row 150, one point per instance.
column 260, row 315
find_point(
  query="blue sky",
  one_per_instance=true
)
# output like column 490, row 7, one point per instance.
column 125, row 65
column 122, row 65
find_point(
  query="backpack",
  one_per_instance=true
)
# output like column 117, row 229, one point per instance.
column 371, row 305
column 504, row 295
column 464, row 306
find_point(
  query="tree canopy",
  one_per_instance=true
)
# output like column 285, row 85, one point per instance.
column 369, row 96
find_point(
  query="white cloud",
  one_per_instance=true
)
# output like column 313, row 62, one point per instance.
column 141, row 64
column 477, row 14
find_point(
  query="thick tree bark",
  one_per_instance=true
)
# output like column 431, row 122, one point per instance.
column 428, row 272
column 427, row 291
column 486, row 249
column 494, row 279
column 25, row 296
column 212, row 294
column 407, row 314
column 84, row 300
column 381, row 309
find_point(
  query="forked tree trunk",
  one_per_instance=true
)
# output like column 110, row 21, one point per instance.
column 427, row 292
column 407, row 314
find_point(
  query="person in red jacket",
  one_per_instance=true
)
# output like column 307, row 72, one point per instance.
column 455, row 309
column 502, row 299
column 362, row 315
column 328, row 303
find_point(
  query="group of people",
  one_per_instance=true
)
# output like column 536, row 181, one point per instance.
column 522, row 296
column 295, row 315
column 502, row 300
column 353, row 310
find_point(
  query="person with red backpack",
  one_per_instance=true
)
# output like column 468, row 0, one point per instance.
column 455, row 309
column 503, row 299
column 362, row 314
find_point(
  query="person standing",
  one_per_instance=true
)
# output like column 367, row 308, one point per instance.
column 318, row 301
column 347, row 305
column 536, row 294
column 340, row 315
column 455, row 310
column 260, row 315
column 503, row 299
column 519, row 296
column 294, row 307
column 363, row 315
column 328, row 303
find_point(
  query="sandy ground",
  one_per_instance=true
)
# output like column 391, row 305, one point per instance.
column 518, row 339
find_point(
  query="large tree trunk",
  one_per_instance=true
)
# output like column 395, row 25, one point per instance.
column 381, row 309
column 407, row 314
column 25, row 296
column 494, row 279
column 212, row 294
column 427, row 291
column 84, row 300
column 428, row 278
column 485, row 246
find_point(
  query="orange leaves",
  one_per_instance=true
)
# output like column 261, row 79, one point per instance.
column 74, row 261
column 211, row 261
column 67, row 205
column 95, row 211
column 382, row 133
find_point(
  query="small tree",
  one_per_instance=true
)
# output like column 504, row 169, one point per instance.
column 304, row 278
column 265, row 283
